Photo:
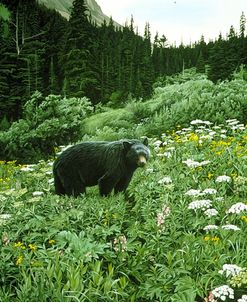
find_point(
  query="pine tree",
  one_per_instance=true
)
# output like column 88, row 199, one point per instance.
column 79, row 64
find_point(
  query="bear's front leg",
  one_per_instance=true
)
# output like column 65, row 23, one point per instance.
column 122, row 184
column 106, row 184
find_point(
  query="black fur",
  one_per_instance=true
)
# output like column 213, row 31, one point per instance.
column 109, row 164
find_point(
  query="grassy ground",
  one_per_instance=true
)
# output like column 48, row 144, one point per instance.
column 169, row 238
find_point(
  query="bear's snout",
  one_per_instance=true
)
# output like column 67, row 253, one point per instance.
column 141, row 161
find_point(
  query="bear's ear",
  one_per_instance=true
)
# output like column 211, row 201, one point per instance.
column 145, row 141
column 127, row 145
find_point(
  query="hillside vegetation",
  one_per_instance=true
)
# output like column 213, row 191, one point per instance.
column 54, row 120
column 179, row 232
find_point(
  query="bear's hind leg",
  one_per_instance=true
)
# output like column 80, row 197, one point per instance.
column 74, row 186
column 75, row 189
column 59, row 188
column 106, row 184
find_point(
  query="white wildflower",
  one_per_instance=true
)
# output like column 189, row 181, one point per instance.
column 200, row 204
column 211, row 133
column 48, row 172
column 165, row 180
column 157, row 143
column 205, row 162
column 223, row 178
column 195, row 122
column 193, row 192
column 210, row 227
column 243, row 299
column 27, row 169
column 161, row 216
column 171, row 148
column 230, row 227
column 223, row 136
column 237, row 208
column 38, row 193
column 230, row 270
column 211, row 212
column 194, row 164
column 191, row 163
column 223, row 292
column 5, row 216
column 232, row 122
column 187, row 129
column 165, row 154
column 51, row 181
column 120, row 243
column 209, row 191
column 219, row 198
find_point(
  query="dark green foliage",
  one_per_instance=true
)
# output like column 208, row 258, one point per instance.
column 48, row 121
column 40, row 50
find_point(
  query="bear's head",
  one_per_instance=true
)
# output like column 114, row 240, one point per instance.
column 137, row 152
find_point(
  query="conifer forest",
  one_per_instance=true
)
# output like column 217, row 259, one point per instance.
column 42, row 51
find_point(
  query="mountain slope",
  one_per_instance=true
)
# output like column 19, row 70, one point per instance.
column 64, row 7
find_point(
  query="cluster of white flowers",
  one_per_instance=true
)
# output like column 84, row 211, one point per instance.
column 5, row 216
column 211, row 212
column 196, row 122
column 209, row 191
column 223, row 178
column 38, row 193
column 120, row 243
column 195, row 164
column 165, row 180
column 243, row 299
column 224, row 227
column 193, row 192
column 223, row 292
column 210, row 227
column 230, row 270
column 164, row 154
column 161, row 216
column 149, row 170
column 27, row 168
column 235, row 125
column 51, row 181
column 200, row 204
column 237, row 208
column 230, row 227
column 157, row 143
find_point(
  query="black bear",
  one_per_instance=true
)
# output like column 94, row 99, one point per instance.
column 109, row 164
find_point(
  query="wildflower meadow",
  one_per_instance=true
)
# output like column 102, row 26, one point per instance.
column 178, row 234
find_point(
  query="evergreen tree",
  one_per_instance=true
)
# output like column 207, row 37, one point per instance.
column 79, row 63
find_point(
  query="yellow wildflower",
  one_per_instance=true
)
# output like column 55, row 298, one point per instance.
column 234, row 175
column 19, row 260
column 51, row 241
column 193, row 137
column 206, row 238
column 32, row 247
column 244, row 218
column 20, row 245
column 210, row 175
column 215, row 239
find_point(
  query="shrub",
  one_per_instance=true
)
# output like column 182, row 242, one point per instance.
column 47, row 122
